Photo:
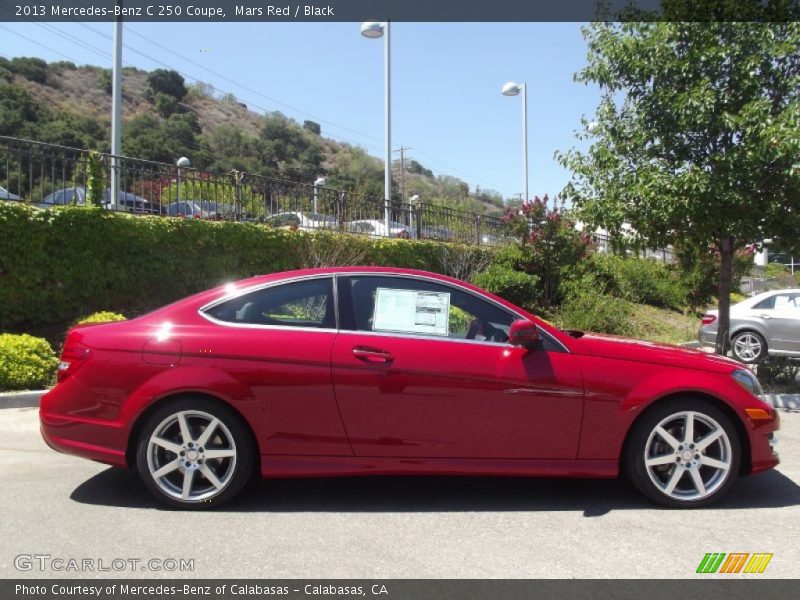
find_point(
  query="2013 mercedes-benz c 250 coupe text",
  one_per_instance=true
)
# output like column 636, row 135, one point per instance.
column 352, row 371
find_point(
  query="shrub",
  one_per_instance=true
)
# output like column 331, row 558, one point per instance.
column 104, row 316
column 778, row 372
column 165, row 104
column 26, row 362
column 33, row 69
column 642, row 281
column 130, row 264
column 591, row 310
column 520, row 288
column 167, row 82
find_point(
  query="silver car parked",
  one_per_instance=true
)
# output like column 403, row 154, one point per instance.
column 766, row 324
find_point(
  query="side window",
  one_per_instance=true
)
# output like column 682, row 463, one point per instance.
column 766, row 304
column 786, row 302
column 416, row 307
column 306, row 303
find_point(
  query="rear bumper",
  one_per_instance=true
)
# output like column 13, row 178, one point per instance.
column 65, row 430
column 707, row 336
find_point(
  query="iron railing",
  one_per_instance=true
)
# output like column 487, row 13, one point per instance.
column 47, row 175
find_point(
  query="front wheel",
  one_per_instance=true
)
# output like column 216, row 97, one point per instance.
column 684, row 454
column 194, row 454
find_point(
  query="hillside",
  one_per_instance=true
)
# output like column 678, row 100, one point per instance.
column 163, row 118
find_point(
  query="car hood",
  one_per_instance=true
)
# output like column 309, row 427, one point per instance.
column 611, row 346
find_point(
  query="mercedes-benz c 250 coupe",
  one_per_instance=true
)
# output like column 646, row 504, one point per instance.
column 359, row 371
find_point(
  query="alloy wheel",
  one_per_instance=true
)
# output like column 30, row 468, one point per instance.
column 688, row 456
column 747, row 347
column 191, row 456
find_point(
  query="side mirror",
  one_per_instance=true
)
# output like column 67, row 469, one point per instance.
column 523, row 333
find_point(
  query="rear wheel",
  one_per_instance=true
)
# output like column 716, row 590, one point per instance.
column 194, row 453
column 684, row 454
column 748, row 347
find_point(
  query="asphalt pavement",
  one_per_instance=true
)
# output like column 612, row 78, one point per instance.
column 67, row 508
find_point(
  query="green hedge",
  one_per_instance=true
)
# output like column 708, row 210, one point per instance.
column 26, row 362
column 643, row 281
column 104, row 316
column 57, row 265
column 515, row 286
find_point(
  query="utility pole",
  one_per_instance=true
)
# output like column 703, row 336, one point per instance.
column 403, row 172
column 116, row 111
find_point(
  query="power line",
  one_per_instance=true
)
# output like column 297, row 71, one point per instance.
column 35, row 42
column 271, row 99
column 106, row 55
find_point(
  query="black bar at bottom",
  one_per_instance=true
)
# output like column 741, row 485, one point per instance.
column 714, row 588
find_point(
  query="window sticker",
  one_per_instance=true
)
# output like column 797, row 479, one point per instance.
column 410, row 311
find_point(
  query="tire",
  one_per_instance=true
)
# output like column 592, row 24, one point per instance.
column 748, row 347
column 678, row 471
column 184, row 465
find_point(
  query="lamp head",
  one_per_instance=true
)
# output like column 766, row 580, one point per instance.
column 372, row 29
column 511, row 89
column 183, row 162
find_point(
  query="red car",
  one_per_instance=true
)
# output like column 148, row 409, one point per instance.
column 359, row 371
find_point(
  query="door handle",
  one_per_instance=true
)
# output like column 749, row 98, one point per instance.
column 765, row 316
column 372, row 355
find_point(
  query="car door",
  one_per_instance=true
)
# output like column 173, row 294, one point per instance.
column 782, row 322
column 422, row 369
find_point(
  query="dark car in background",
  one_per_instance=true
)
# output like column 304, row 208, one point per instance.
column 127, row 201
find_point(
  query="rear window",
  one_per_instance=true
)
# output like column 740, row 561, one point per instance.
column 307, row 303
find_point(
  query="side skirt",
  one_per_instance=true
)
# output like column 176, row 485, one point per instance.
column 331, row 466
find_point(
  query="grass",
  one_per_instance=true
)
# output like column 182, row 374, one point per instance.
column 663, row 325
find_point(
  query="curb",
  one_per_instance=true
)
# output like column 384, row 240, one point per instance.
column 21, row 399
column 783, row 401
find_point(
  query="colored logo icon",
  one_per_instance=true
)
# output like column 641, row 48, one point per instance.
column 734, row 562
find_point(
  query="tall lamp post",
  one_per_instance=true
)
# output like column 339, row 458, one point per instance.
column 182, row 163
column 319, row 182
column 514, row 89
column 374, row 30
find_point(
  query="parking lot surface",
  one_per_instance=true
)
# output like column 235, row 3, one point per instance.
column 68, row 508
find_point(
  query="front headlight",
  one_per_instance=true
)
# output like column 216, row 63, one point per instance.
column 748, row 381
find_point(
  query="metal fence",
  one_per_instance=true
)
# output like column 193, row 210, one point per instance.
column 604, row 243
column 46, row 175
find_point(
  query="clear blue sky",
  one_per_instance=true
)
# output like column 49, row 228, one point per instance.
column 446, row 81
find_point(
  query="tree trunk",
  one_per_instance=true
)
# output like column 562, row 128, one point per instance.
column 724, row 295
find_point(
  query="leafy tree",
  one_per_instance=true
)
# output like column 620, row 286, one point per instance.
column 415, row 167
column 695, row 136
column 16, row 108
column 313, row 127
column 33, row 69
column 149, row 138
column 167, row 82
column 549, row 245
column 166, row 105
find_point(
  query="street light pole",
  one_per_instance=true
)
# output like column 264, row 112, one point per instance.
column 318, row 182
column 182, row 163
column 514, row 89
column 116, row 112
column 373, row 30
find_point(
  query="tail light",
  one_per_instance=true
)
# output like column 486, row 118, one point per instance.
column 73, row 358
column 709, row 319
